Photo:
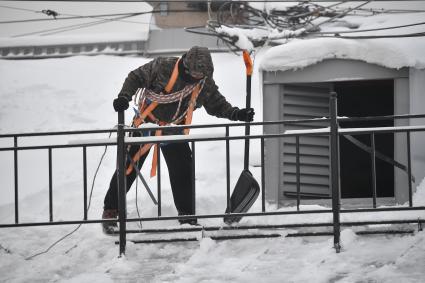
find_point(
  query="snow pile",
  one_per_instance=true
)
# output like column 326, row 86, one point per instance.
column 387, row 52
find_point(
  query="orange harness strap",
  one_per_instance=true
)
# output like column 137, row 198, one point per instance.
column 148, row 113
column 191, row 106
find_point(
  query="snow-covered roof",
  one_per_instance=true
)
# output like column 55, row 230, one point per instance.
column 76, row 23
column 295, row 53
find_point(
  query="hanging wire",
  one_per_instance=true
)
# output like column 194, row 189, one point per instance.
column 301, row 20
column 88, row 208
column 73, row 16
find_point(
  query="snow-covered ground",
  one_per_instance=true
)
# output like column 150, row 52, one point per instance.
column 77, row 93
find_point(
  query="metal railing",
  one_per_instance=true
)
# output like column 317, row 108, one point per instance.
column 334, row 132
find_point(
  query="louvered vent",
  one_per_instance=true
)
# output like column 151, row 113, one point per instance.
column 305, row 101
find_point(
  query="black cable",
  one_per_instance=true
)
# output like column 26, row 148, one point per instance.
column 366, row 30
column 88, row 207
column 72, row 17
column 63, row 18
column 71, row 27
column 418, row 34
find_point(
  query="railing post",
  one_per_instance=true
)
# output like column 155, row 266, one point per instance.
column 158, row 180
column 229, row 204
column 373, row 161
column 409, row 168
column 85, row 180
column 193, row 179
column 297, row 166
column 263, row 178
column 336, row 204
column 15, row 172
column 122, row 209
column 50, row 185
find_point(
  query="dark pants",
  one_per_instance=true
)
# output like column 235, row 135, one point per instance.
column 178, row 157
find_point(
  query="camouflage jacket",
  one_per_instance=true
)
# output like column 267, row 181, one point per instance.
column 155, row 76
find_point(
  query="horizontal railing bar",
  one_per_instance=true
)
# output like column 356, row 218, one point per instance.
column 383, row 209
column 158, row 139
column 377, row 118
column 79, row 132
column 292, row 225
column 215, row 228
column 71, row 222
column 264, row 123
column 345, row 131
column 37, row 147
column 275, row 226
column 318, row 132
column 259, row 236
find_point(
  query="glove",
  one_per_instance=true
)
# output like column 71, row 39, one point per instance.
column 245, row 115
column 120, row 104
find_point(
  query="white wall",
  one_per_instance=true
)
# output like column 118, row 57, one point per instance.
column 417, row 106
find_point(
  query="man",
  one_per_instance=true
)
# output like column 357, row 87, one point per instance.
column 189, row 81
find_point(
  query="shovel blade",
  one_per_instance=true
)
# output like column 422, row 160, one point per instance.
column 243, row 197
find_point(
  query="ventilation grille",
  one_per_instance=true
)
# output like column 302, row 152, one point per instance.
column 306, row 102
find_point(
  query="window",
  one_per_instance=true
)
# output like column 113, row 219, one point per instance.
column 163, row 8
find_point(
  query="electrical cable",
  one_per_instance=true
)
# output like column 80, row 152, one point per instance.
column 298, row 19
column 69, row 28
column 88, row 207
column 65, row 18
column 137, row 205
column 366, row 30
column 73, row 17
column 417, row 34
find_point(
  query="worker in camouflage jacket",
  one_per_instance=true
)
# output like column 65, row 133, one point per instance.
column 193, row 66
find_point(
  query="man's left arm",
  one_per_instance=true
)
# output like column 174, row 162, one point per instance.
column 216, row 104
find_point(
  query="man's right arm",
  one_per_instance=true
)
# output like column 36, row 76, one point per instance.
column 138, row 78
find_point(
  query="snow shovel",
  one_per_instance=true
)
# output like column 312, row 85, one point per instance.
column 247, row 189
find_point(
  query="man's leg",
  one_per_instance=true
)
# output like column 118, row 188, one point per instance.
column 179, row 161
column 111, row 197
column 110, row 208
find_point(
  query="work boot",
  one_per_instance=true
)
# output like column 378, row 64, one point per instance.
column 110, row 227
column 190, row 221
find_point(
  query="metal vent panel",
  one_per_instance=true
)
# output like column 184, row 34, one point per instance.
column 306, row 101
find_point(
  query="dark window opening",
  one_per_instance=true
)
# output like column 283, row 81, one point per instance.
column 359, row 99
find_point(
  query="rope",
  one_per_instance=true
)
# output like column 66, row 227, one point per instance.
column 171, row 97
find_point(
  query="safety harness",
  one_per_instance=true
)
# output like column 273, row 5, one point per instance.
column 149, row 100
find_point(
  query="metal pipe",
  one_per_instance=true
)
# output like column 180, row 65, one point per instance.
column 409, row 169
column 297, row 166
column 263, row 178
column 33, row 224
column 85, row 181
column 15, row 172
column 336, row 204
column 121, row 158
column 193, row 180
column 318, row 120
column 50, row 187
column 158, row 180
column 220, row 138
column 373, row 161
column 229, row 205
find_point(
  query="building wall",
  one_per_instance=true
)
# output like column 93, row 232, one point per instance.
column 417, row 106
column 65, row 50
column 175, row 41
column 173, row 19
